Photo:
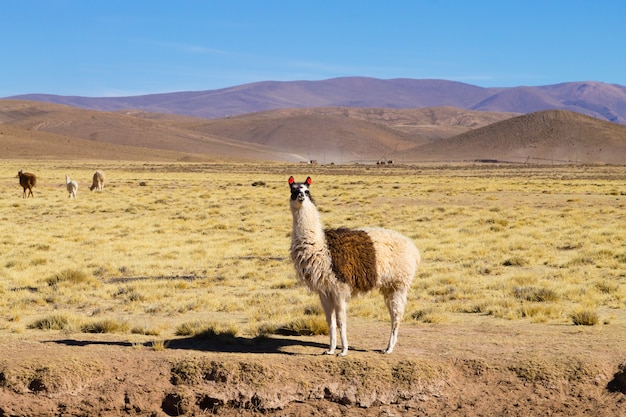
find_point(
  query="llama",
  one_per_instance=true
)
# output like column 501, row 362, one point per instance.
column 339, row 263
column 27, row 181
column 72, row 186
column 98, row 181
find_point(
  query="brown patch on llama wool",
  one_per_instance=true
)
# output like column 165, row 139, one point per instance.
column 353, row 256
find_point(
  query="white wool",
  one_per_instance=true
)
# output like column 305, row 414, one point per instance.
column 72, row 187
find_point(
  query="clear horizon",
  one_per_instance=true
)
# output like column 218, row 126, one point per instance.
column 118, row 48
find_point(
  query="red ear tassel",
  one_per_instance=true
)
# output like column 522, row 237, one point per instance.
column 308, row 180
column 291, row 180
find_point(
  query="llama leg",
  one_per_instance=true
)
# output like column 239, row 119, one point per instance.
column 329, row 311
column 396, row 301
column 341, row 323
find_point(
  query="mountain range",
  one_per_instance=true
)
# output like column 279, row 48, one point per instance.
column 36, row 130
column 600, row 100
column 334, row 121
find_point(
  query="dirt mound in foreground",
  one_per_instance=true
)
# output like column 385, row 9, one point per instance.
column 483, row 368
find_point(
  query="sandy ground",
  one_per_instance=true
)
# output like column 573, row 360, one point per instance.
column 471, row 366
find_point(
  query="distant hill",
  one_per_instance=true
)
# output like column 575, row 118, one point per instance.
column 552, row 136
column 341, row 134
column 30, row 130
column 596, row 99
column 325, row 134
column 18, row 143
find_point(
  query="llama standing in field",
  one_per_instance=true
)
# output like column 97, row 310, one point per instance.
column 337, row 263
column 27, row 181
column 98, row 181
column 72, row 186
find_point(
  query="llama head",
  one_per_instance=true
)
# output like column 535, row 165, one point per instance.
column 300, row 191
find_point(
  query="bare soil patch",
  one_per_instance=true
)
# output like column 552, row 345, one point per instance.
column 473, row 366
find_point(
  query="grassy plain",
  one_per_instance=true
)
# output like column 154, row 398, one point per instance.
column 205, row 247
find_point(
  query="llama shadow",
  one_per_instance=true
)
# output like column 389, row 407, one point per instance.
column 233, row 344
column 618, row 383
column 216, row 343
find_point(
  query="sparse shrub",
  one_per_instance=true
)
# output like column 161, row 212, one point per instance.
column 72, row 276
column 159, row 345
column 607, row 287
column 129, row 293
column 514, row 261
column 206, row 330
column 188, row 329
column 144, row 330
column 105, row 326
column 535, row 294
column 54, row 322
column 585, row 318
column 265, row 329
column 308, row 326
column 425, row 316
column 539, row 313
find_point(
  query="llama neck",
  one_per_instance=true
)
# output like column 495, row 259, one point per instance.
column 307, row 225
column 309, row 252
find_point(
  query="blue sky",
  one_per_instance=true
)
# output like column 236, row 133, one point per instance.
column 120, row 48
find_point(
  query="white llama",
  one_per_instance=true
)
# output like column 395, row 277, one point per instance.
column 72, row 186
column 337, row 263
column 98, row 181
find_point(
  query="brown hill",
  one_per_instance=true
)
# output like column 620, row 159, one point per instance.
column 340, row 134
column 327, row 134
column 553, row 136
column 95, row 131
column 422, row 123
column 324, row 134
column 18, row 143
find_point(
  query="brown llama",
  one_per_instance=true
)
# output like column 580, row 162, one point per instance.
column 27, row 181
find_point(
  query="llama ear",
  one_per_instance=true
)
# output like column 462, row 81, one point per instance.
column 308, row 180
column 291, row 180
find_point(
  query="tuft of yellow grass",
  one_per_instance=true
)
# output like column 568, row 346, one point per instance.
column 107, row 325
column 206, row 330
column 53, row 322
column 585, row 317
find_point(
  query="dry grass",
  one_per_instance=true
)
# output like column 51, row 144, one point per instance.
column 209, row 244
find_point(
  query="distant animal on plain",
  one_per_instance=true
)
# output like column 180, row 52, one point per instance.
column 338, row 263
column 27, row 181
column 98, row 181
column 72, row 186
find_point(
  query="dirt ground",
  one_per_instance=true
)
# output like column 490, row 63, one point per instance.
column 470, row 366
